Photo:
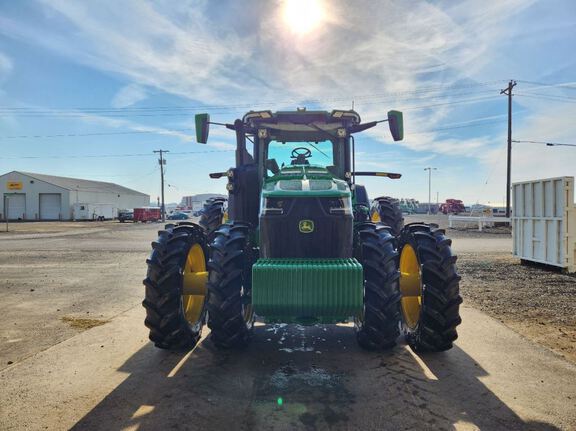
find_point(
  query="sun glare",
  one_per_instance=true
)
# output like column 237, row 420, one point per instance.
column 303, row 16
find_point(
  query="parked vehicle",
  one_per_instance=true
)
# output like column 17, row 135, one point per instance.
column 479, row 209
column 125, row 215
column 100, row 212
column 178, row 216
column 408, row 206
column 452, row 206
column 499, row 212
column 147, row 214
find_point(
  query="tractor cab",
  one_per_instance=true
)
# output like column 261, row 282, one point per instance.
column 284, row 140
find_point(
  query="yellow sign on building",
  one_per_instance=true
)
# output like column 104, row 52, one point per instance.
column 14, row 185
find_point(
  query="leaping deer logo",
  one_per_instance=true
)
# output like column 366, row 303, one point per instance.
column 306, row 226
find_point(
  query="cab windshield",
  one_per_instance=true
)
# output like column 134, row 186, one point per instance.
column 300, row 153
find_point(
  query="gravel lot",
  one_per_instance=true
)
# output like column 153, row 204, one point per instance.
column 57, row 279
column 536, row 302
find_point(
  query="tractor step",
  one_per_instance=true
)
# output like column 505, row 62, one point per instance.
column 307, row 290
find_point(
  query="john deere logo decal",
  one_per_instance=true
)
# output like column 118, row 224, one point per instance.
column 306, row 226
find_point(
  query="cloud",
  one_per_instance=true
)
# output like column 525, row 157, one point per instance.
column 6, row 67
column 129, row 95
column 363, row 50
column 113, row 123
column 130, row 125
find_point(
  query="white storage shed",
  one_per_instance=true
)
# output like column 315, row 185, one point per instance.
column 30, row 196
column 544, row 222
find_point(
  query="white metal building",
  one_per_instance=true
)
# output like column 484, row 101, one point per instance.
column 32, row 196
column 544, row 222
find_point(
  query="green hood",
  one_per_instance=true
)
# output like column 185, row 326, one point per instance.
column 305, row 181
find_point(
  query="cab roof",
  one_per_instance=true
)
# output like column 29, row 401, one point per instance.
column 300, row 125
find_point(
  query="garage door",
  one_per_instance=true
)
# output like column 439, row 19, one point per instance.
column 50, row 206
column 16, row 204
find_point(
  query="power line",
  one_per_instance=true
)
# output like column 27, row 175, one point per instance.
column 69, row 135
column 550, row 144
column 455, row 102
column 542, row 97
column 457, row 126
column 186, row 111
column 96, row 156
column 556, row 96
column 562, row 85
column 347, row 98
column 166, row 110
column 465, row 126
column 169, row 131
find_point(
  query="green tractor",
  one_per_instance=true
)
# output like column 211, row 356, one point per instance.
column 299, row 241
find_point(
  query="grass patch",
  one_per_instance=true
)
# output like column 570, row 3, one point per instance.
column 83, row 324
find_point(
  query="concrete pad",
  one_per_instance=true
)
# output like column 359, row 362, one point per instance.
column 291, row 377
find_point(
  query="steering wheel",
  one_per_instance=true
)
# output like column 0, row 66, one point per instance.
column 304, row 154
column 300, row 155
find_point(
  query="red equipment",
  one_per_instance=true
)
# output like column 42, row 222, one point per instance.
column 452, row 206
column 147, row 214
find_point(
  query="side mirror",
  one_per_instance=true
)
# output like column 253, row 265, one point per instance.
column 396, row 123
column 202, row 127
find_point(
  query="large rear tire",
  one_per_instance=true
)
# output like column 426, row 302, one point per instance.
column 175, row 287
column 230, row 315
column 429, row 285
column 214, row 214
column 378, row 326
column 386, row 210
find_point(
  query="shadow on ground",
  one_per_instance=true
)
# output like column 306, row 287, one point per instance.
column 292, row 377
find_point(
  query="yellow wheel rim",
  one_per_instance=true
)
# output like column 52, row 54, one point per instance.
column 225, row 217
column 375, row 218
column 410, row 286
column 194, row 281
column 248, row 313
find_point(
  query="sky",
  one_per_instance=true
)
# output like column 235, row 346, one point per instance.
column 90, row 89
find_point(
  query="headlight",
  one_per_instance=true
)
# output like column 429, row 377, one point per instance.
column 350, row 115
column 275, row 206
column 337, row 206
column 252, row 115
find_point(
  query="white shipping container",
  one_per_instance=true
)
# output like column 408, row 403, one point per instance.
column 94, row 211
column 544, row 222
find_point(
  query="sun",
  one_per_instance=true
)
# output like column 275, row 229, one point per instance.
column 303, row 16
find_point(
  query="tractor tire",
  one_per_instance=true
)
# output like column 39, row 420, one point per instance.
column 166, row 306
column 379, row 327
column 213, row 215
column 430, row 323
column 385, row 210
column 229, row 286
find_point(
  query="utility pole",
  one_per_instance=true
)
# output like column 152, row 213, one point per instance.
column 508, row 92
column 429, row 169
column 162, row 162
